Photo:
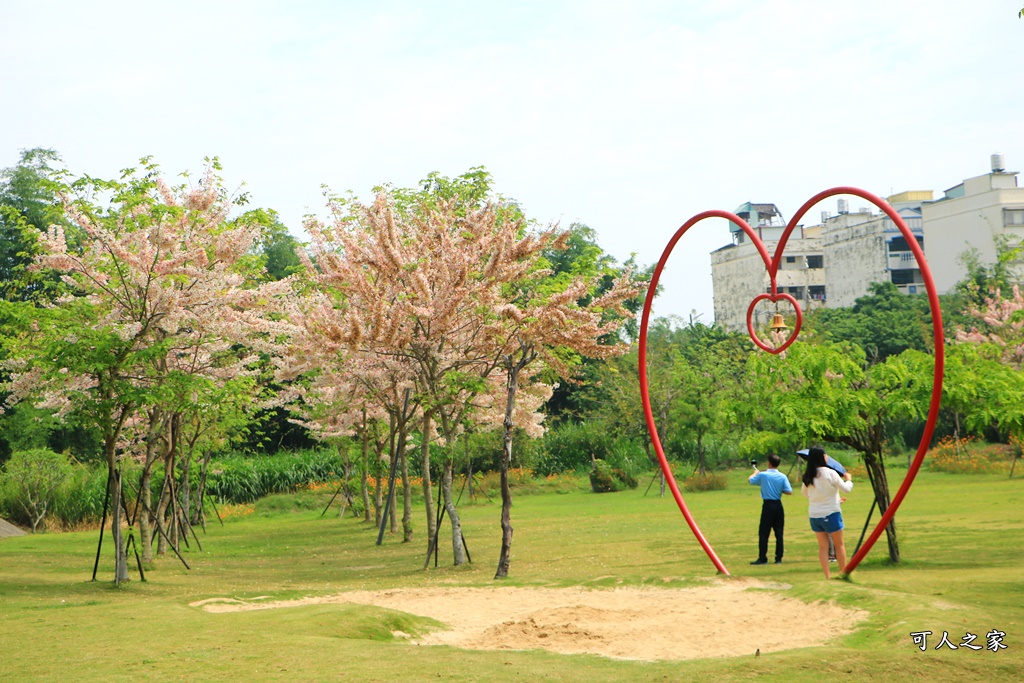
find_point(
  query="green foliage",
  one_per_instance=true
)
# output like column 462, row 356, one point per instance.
column 572, row 446
column 585, row 257
column 79, row 500
column 32, row 478
column 28, row 206
column 76, row 502
column 484, row 449
column 883, row 323
column 276, row 248
column 761, row 444
column 239, row 479
column 604, row 478
column 984, row 278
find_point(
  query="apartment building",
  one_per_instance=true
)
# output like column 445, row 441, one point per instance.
column 976, row 214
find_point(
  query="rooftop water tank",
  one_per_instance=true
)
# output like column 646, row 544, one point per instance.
column 998, row 163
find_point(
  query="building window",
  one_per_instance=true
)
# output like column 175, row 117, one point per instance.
column 791, row 259
column 816, row 261
column 816, row 292
column 898, row 244
column 1013, row 216
column 905, row 276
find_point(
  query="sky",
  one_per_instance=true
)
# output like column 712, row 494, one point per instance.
column 627, row 117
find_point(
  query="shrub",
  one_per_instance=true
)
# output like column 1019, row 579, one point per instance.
column 32, row 478
column 605, row 479
column 79, row 500
column 709, row 481
column 570, row 447
column 968, row 457
column 682, row 447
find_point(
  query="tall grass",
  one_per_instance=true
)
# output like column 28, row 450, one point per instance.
column 77, row 502
column 571, row 447
column 245, row 479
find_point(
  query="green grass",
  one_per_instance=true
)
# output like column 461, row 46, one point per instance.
column 962, row 540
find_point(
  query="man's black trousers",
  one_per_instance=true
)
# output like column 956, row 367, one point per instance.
column 773, row 518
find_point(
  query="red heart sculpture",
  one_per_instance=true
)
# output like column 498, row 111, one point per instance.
column 774, row 297
column 772, row 265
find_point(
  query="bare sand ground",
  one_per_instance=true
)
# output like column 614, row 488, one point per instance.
column 7, row 529
column 725, row 618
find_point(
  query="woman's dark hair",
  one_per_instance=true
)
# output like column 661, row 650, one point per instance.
column 815, row 459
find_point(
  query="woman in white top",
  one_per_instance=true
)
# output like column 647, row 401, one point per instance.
column 821, row 486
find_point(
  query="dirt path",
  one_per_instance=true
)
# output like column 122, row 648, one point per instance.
column 720, row 620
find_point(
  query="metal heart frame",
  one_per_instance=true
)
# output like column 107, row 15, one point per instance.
column 774, row 297
column 772, row 266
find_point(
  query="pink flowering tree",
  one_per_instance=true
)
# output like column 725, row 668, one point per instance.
column 155, row 293
column 1000, row 325
column 991, row 392
column 416, row 277
column 548, row 323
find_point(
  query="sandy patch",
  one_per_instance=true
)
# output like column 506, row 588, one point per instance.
column 7, row 529
column 721, row 620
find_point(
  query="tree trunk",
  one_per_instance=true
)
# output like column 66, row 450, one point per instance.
column 185, row 488
column 428, row 494
column 200, row 513
column 121, row 552
column 392, row 514
column 458, row 548
column 700, row 454
column 153, row 454
column 875, row 467
column 406, row 496
column 145, row 523
column 166, row 517
column 378, row 497
column 504, row 558
column 390, row 494
column 364, row 473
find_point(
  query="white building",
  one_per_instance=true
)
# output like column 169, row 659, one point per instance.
column 865, row 247
column 972, row 215
column 831, row 264
column 738, row 274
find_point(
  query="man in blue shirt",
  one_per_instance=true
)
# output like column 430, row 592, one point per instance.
column 773, row 485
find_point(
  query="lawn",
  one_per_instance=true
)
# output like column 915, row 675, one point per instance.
column 961, row 535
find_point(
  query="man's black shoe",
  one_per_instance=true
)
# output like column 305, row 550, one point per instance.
column 759, row 562
column 778, row 561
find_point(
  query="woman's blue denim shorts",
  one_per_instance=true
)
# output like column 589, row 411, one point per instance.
column 829, row 524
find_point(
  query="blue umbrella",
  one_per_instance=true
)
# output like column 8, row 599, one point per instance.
column 829, row 460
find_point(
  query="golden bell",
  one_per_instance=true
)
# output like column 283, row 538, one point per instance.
column 778, row 324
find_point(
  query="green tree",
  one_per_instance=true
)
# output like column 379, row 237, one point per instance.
column 29, row 205
column 34, row 476
column 884, row 322
column 983, row 279
column 828, row 392
column 574, row 398
column 275, row 249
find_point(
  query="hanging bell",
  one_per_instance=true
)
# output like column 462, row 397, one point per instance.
column 778, row 324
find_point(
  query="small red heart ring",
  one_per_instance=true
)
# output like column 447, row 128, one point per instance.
column 796, row 328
